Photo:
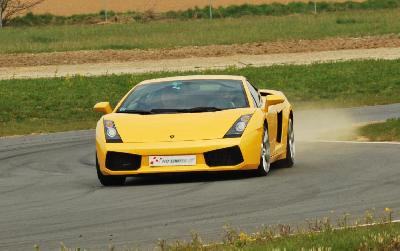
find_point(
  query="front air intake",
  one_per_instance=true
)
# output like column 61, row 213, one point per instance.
column 230, row 156
column 116, row 161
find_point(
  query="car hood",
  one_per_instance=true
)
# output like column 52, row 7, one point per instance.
column 175, row 127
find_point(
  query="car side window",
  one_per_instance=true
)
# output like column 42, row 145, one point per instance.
column 255, row 95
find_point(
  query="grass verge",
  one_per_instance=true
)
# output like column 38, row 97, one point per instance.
column 384, row 131
column 175, row 33
column 375, row 233
column 61, row 104
column 375, row 237
column 372, row 232
column 378, row 237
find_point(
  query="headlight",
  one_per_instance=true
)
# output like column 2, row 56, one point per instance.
column 238, row 127
column 111, row 132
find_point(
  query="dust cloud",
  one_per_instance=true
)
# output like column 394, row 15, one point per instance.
column 329, row 124
column 340, row 123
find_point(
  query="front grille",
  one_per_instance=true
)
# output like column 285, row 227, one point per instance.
column 230, row 156
column 116, row 161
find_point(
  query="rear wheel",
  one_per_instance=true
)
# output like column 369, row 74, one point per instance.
column 106, row 180
column 290, row 146
column 265, row 159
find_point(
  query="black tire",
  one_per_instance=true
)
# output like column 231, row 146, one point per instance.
column 106, row 180
column 290, row 151
column 263, row 170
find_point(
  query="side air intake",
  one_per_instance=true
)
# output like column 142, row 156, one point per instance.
column 117, row 161
column 230, row 156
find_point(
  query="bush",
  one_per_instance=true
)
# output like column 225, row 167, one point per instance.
column 31, row 19
column 345, row 21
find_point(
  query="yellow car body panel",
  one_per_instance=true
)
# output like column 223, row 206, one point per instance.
column 194, row 134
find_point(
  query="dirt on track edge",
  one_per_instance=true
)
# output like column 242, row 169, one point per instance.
column 108, row 56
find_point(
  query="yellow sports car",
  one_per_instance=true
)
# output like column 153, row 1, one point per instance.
column 193, row 124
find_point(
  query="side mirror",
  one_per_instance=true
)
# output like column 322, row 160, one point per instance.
column 103, row 107
column 273, row 100
column 264, row 92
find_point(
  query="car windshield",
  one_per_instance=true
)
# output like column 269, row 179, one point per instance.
column 185, row 96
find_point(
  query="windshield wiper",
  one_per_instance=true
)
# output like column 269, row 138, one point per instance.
column 203, row 109
column 142, row 112
column 189, row 110
column 167, row 110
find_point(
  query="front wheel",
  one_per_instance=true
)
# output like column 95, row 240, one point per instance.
column 290, row 146
column 106, row 180
column 265, row 159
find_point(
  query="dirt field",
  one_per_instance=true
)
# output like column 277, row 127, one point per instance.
column 197, row 63
column 104, row 56
column 63, row 7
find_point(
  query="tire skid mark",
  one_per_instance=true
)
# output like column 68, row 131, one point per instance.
column 4, row 171
column 17, row 189
column 59, row 146
column 39, row 204
column 170, row 194
column 10, row 146
column 87, row 161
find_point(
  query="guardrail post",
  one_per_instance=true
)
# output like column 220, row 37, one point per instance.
column 211, row 14
column 315, row 7
column 1, row 15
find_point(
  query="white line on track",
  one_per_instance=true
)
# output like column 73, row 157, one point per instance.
column 353, row 142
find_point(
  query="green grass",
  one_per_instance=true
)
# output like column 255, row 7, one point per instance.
column 378, row 233
column 60, row 104
column 385, row 131
column 379, row 237
column 173, row 33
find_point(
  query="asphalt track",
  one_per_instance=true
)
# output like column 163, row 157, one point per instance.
column 49, row 191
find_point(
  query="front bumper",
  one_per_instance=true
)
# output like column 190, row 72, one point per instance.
column 249, row 145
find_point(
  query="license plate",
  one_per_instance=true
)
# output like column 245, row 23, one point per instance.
column 182, row 160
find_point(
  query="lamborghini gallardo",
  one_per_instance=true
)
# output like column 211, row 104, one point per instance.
column 193, row 124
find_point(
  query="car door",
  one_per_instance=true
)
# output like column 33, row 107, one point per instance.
column 271, row 116
column 277, row 112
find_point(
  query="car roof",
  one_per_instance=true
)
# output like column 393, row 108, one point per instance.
column 193, row 77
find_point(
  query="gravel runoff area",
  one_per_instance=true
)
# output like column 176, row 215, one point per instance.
column 196, row 63
column 278, row 47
